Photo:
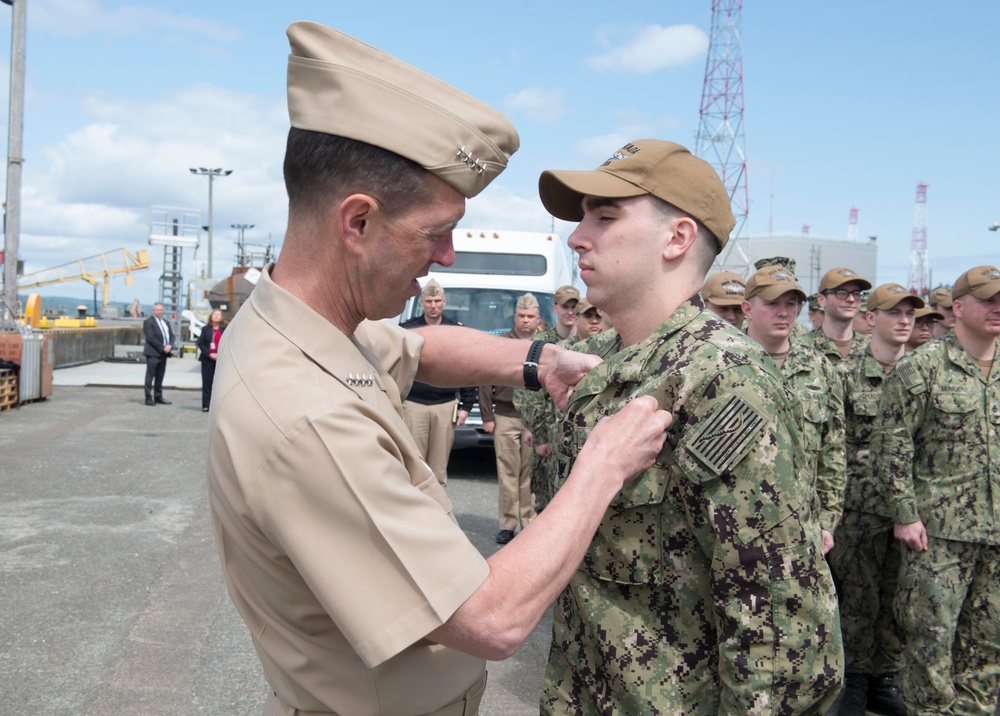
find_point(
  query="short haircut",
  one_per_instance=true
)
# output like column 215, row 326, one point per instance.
column 320, row 166
column 706, row 246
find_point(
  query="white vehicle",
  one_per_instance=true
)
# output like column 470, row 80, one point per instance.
column 492, row 269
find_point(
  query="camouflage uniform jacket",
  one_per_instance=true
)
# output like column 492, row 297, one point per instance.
column 937, row 443
column 819, row 340
column 538, row 411
column 703, row 591
column 816, row 384
column 863, row 382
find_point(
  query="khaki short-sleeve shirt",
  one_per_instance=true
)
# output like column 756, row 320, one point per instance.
column 338, row 545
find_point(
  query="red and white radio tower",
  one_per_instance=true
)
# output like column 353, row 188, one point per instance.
column 852, row 225
column 720, row 139
column 919, row 280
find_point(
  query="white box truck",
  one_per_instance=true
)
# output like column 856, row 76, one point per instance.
column 492, row 269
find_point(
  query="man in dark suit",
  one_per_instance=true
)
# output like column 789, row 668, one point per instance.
column 159, row 343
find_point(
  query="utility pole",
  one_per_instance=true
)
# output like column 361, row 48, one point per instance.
column 211, row 174
column 12, row 217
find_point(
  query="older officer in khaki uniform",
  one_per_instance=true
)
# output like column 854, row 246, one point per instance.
column 338, row 545
column 515, row 501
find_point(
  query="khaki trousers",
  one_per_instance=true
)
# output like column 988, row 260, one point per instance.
column 516, row 503
column 433, row 429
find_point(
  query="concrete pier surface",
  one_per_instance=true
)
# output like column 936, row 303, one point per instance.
column 113, row 601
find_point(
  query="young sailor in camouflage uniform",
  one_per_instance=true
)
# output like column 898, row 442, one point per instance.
column 773, row 301
column 865, row 561
column 840, row 293
column 937, row 448
column 704, row 591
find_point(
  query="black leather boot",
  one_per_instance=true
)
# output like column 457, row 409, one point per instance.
column 884, row 698
column 855, row 696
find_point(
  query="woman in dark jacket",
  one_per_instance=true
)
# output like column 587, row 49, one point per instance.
column 208, row 349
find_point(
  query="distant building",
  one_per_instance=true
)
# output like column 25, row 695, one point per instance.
column 815, row 255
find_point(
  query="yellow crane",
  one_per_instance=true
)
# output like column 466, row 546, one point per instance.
column 94, row 270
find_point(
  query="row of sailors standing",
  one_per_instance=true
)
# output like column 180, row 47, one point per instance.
column 903, row 452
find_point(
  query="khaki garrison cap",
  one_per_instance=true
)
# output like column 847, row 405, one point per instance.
column 663, row 169
column 772, row 282
column 983, row 282
column 724, row 289
column 528, row 300
column 432, row 288
column 836, row 277
column 941, row 297
column 338, row 85
column 567, row 293
column 888, row 295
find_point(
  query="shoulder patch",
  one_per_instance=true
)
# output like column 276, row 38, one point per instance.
column 727, row 435
column 909, row 375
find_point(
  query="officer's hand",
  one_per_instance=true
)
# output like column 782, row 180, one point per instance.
column 543, row 450
column 528, row 438
column 827, row 542
column 559, row 370
column 488, row 426
column 629, row 441
column 463, row 415
column 912, row 534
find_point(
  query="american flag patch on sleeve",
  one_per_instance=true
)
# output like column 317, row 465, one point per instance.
column 727, row 435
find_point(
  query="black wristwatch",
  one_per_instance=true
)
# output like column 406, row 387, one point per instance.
column 531, row 365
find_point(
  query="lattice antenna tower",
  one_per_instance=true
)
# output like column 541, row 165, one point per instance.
column 852, row 225
column 919, row 279
column 720, row 139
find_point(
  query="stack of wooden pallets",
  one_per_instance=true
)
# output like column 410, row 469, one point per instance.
column 8, row 389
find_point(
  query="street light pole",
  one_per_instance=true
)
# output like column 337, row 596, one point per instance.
column 12, row 223
column 211, row 174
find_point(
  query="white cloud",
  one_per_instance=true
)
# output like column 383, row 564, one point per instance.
column 77, row 18
column 654, row 48
column 537, row 104
column 601, row 147
column 91, row 191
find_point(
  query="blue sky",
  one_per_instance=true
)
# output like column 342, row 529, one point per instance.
column 847, row 104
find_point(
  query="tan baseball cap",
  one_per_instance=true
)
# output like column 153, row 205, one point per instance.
column 432, row 288
column 771, row 282
column 567, row 293
column 528, row 300
column 940, row 297
column 928, row 312
column 982, row 282
column 836, row 277
column 888, row 295
column 663, row 169
column 724, row 288
column 583, row 306
column 339, row 85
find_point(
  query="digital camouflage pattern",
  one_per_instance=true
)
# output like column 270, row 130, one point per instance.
column 814, row 381
column 866, row 557
column 937, row 443
column 819, row 340
column 703, row 591
column 539, row 414
column 936, row 449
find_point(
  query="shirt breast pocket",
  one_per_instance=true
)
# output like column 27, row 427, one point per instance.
column 816, row 413
column 953, row 415
column 627, row 548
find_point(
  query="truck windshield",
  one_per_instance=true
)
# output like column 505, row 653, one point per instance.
column 488, row 309
column 480, row 262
